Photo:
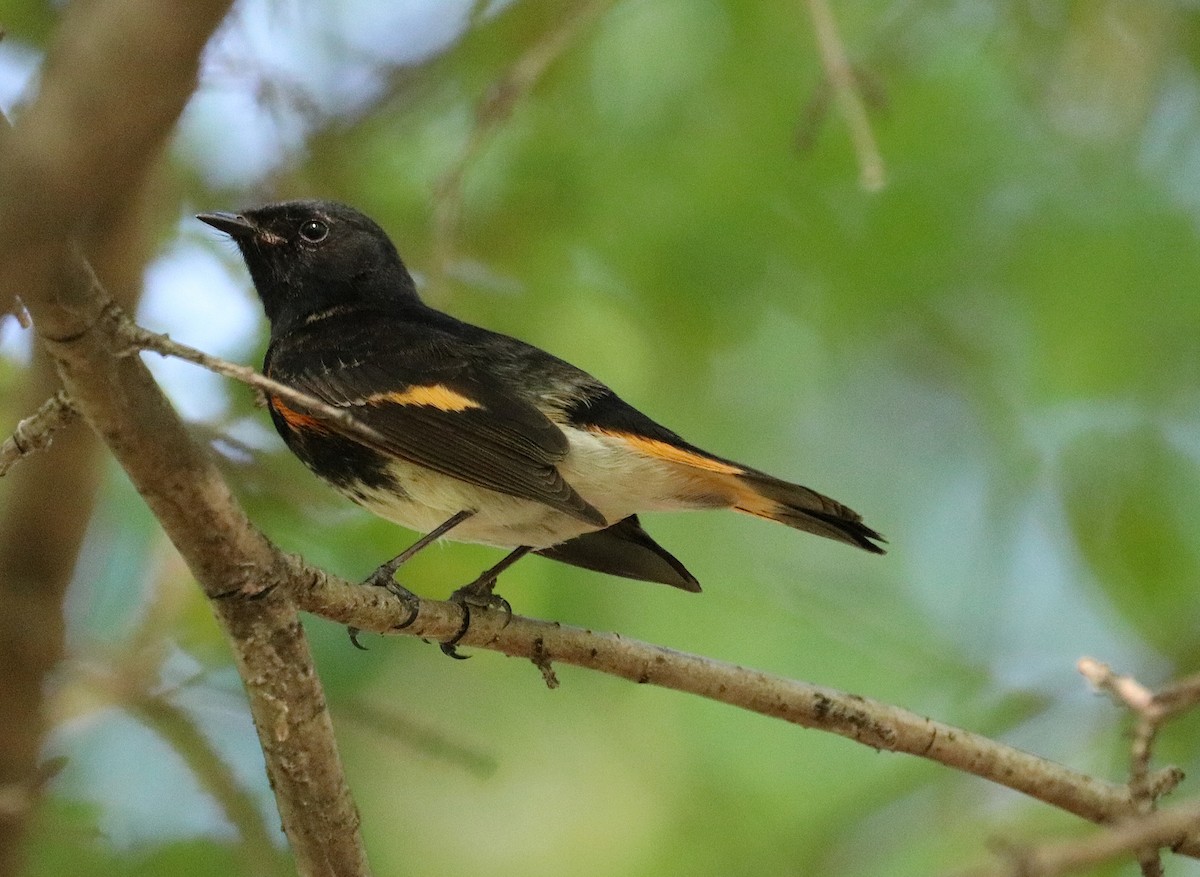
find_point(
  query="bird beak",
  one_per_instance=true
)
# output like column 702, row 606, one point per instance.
column 233, row 224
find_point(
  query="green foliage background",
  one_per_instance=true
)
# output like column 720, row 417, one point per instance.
column 994, row 359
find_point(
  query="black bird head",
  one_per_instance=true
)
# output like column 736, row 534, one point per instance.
column 308, row 257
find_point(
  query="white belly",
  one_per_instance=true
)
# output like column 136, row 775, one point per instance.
column 603, row 470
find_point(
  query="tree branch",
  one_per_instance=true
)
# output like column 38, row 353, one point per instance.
column 119, row 398
column 36, row 431
column 1151, row 711
column 875, row 724
column 117, row 78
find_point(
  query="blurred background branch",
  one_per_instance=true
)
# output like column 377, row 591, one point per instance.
column 493, row 110
column 40, row 538
column 1153, row 831
column 848, row 95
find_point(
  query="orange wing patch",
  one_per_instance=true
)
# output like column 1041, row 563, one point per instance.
column 298, row 419
column 437, row 396
column 672, row 454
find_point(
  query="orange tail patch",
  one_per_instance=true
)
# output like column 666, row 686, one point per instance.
column 703, row 481
column 672, row 454
column 715, row 483
column 751, row 502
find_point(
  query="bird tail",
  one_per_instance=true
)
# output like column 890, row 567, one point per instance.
column 704, row 480
column 799, row 507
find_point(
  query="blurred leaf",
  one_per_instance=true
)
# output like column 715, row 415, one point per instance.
column 193, row 858
column 66, row 839
column 29, row 21
column 1133, row 501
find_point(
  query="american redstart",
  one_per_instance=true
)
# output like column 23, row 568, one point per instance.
column 483, row 438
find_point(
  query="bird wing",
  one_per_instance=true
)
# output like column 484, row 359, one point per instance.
column 437, row 410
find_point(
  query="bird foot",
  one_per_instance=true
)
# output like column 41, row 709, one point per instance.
column 382, row 578
column 480, row 595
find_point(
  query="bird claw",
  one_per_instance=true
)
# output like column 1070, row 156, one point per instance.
column 478, row 594
column 450, row 650
column 382, row 578
column 410, row 600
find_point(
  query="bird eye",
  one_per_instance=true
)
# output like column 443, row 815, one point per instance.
column 314, row 231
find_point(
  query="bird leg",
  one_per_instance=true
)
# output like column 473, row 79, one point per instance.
column 384, row 575
column 480, row 593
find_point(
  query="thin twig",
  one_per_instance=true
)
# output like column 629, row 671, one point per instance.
column 21, row 313
column 1151, row 710
column 36, row 431
column 1178, row 696
column 872, row 176
column 494, row 107
column 1124, row 690
column 422, row 738
column 1161, row 829
column 1151, row 713
column 143, row 339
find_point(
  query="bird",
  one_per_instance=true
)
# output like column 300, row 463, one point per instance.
column 474, row 435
